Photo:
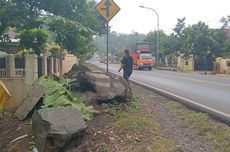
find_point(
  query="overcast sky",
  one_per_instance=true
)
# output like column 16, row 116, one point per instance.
column 132, row 18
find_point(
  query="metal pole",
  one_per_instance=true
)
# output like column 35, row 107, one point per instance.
column 107, row 49
column 158, row 32
column 158, row 40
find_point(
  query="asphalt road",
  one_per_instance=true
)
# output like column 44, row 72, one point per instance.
column 210, row 91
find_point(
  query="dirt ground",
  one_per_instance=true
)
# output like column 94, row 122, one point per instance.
column 10, row 129
column 104, row 135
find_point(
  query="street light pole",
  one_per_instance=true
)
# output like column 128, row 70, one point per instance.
column 158, row 32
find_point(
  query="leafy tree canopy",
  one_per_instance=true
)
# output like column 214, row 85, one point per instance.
column 70, row 35
column 226, row 46
column 74, row 22
column 226, row 22
column 56, row 51
column 35, row 39
column 117, row 43
column 81, row 11
column 17, row 15
column 180, row 26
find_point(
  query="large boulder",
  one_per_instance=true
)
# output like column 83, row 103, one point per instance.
column 72, row 74
column 107, row 87
column 55, row 127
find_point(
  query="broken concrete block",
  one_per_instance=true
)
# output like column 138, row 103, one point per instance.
column 30, row 101
column 107, row 87
column 54, row 127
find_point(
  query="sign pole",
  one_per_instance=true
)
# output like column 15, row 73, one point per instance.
column 107, row 49
column 107, row 9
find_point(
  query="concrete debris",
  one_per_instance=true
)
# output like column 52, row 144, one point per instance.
column 107, row 87
column 30, row 101
column 54, row 128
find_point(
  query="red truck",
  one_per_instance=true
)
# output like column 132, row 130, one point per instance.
column 142, row 57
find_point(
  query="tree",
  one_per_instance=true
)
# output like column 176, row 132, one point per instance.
column 151, row 37
column 199, row 42
column 81, row 11
column 117, row 43
column 35, row 39
column 180, row 26
column 78, row 21
column 4, row 20
column 169, row 44
column 56, row 51
column 226, row 47
column 180, row 35
column 72, row 36
column 219, row 37
column 18, row 15
column 226, row 22
column 225, row 34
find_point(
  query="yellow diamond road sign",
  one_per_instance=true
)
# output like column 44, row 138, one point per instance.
column 108, row 9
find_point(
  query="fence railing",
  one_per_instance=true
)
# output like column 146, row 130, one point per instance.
column 2, row 63
column 2, row 72
column 19, row 72
column 11, row 66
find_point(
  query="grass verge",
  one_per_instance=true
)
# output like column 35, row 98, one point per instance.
column 216, row 133
column 141, row 132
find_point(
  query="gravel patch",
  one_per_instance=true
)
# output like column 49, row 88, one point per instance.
column 186, row 138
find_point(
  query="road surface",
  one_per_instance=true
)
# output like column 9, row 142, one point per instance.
column 209, row 91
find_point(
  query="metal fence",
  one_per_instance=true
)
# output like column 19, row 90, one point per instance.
column 2, row 63
column 20, row 66
column 16, row 67
column 3, row 67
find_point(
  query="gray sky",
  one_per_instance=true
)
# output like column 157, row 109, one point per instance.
column 132, row 18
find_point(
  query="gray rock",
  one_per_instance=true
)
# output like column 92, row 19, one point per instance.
column 74, row 84
column 124, row 106
column 73, row 73
column 30, row 101
column 1, row 116
column 107, row 87
column 55, row 127
column 88, row 97
column 104, row 105
column 120, row 86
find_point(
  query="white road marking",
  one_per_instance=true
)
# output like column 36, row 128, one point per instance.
column 214, row 83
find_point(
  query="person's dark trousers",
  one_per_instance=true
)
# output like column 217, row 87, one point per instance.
column 126, row 76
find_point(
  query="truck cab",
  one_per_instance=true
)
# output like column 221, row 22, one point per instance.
column 142, row 57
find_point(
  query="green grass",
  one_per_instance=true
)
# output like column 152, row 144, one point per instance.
column 134, row 120
column 105, row 148
column 216, row 133
column 163, row 145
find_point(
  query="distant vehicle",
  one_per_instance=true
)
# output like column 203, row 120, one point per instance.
column 102, row 60
column 142, row 58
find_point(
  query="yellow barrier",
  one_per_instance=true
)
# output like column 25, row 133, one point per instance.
column 4, row 95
